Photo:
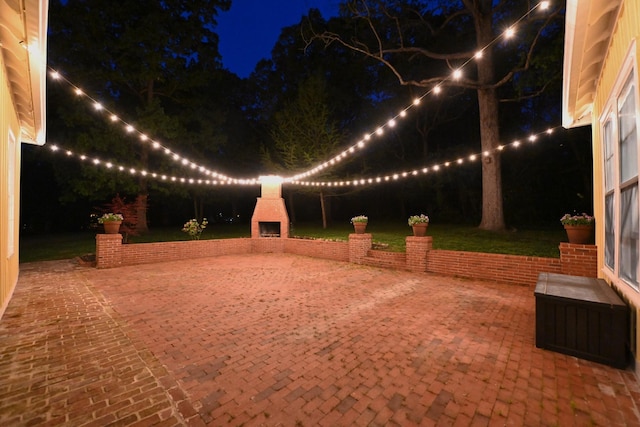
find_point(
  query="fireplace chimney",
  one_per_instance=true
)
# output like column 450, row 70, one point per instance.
column 270, row 218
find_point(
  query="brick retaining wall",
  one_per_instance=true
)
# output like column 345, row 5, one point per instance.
column 500, row 267
column 337, row 251
column 577, row 260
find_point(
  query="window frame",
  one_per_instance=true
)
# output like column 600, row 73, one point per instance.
column 610, row 121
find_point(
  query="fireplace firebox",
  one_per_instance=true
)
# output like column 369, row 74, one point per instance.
column 269, row 229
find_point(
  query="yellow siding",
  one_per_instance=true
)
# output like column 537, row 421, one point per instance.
column 627, row 30
column 8, row 124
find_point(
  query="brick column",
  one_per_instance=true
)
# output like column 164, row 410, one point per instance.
column 579, row 260
column 417, row 250
column 108, row 250
column 359, row 245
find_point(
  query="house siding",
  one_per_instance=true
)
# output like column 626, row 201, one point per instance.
column 9, row 125
column 625, row 32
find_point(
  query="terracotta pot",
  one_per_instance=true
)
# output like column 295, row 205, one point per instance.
column 579, row 234
column 112, row 227
column 360, row 227
column 420, row 229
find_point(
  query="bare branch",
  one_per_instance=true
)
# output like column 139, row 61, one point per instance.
column 507, row 77
column 531, row 95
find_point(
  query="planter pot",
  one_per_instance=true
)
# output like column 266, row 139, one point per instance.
column 420, row 230
column 360, row 227
column 579, row 234
column 112, row 227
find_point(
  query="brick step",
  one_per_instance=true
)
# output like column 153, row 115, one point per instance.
column 386, row 259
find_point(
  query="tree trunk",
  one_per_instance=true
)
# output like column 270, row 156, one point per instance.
column 324, row 211
column 143, row 192
column 198, row 209
column 290, row 207
column 492, row 211
column 141, row 206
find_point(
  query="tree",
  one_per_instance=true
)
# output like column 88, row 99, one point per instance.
column 424, row 42
column 304, row 132
column 157, row 52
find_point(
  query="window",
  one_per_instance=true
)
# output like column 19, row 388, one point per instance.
column 620, row 168
column 609, row 186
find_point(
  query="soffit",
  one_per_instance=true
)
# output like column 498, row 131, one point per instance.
column 23, row 46
column 588, row 29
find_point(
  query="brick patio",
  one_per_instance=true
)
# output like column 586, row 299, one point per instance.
column 280, row 339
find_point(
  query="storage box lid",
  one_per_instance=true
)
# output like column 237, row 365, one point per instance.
column 578, row 288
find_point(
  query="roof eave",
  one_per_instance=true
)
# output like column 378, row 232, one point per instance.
column 588, row 29
column 24, row 49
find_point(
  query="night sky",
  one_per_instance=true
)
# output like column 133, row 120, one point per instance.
column 250, row 29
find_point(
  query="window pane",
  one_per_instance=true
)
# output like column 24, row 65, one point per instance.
column 628, row 133
column 629, row 234
column 608, row 156
column 609, row 233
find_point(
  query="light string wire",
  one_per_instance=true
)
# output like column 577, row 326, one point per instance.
column 395, row 176
column 115, row 167
column 298, row 178
column 436, row 89
column 390, row 177
column 143, row 137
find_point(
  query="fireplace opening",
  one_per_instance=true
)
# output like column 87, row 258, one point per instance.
column 269, row 229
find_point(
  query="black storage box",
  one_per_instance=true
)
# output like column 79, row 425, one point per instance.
column 582, row 317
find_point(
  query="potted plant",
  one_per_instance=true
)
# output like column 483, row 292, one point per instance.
column 360, row 223
column 579, row 228
column 111, row 222
column 419, row 224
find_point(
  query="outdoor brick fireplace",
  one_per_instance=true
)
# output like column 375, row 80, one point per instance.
column 270, row 218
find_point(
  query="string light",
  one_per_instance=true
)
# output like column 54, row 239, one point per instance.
column 129, row 128
column 394, row 176
column 509, row 33
column 223, row 180
column 95, row 161
column 455, row 75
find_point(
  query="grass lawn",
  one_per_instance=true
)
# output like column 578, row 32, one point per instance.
column 539, row 242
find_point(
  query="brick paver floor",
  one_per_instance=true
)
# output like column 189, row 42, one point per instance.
column 284, row 340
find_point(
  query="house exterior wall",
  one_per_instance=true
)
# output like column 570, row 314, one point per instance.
column 9, row 188
column 23, row 67
column 625, row 32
